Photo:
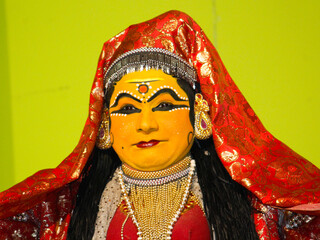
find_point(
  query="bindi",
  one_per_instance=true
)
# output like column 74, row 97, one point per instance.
column 143, row 87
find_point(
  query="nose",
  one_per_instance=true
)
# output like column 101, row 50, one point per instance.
column 147, row 122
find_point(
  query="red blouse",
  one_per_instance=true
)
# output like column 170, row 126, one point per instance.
column 192, row 225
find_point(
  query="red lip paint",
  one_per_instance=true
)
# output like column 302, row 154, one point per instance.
column 151, row 143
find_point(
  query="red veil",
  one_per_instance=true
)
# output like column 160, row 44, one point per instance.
column 276, row 175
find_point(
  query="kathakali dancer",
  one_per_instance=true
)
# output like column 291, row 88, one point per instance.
column 171, row 150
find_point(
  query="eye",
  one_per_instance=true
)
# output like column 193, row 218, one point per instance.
column 168, row 106
column 128, row 107
column 165, row 105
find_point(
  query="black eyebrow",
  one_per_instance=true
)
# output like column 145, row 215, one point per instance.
column 121, row 95
column 166, row 90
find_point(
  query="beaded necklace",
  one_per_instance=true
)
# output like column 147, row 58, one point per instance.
column 156, row 203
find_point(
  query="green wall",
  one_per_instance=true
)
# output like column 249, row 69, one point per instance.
column 6, row 144
column 271, row 49
column 51, row 50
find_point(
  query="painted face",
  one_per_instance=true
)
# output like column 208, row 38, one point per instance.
column 150, row 122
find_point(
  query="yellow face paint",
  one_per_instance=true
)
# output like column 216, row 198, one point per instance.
column 150, row 121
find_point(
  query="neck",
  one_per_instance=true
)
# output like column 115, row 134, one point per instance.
column 138, row 174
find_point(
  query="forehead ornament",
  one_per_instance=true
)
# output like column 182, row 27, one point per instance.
column 146, row 59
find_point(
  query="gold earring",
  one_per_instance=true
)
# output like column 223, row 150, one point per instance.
column 202, row 124
column 103, row 138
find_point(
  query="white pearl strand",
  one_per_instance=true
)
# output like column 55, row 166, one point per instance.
column 176, row 216
column 126, row 198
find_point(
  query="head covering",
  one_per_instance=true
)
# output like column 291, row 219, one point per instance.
column 274, row 173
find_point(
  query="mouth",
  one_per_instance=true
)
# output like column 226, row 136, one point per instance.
column 151, row 143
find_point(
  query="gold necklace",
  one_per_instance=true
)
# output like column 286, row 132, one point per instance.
column 155, row 208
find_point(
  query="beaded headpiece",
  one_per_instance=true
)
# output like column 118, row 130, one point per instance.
column 146, row 59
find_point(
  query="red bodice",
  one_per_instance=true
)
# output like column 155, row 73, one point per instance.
column 191, row 225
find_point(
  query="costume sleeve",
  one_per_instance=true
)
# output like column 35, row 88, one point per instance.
column 299, row 226
column 47, row 220
column 275, row 224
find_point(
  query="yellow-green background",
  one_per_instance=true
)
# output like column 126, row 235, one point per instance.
column 49, row 51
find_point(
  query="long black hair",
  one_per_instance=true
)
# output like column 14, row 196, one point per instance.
column 226, row 203
column 96, row 174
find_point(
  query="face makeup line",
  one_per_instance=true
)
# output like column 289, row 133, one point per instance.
column 125, row 93
column 146, row 83
column 156, row 92
column 132, row 94
column 162, row 90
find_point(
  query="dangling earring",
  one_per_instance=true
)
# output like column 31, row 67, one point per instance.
column 202, row 124
column 103, row 138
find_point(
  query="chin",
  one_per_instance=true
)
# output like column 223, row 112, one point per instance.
column 154, row 164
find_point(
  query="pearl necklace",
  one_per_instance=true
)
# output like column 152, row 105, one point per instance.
column 177, row 214
column 157, row 181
